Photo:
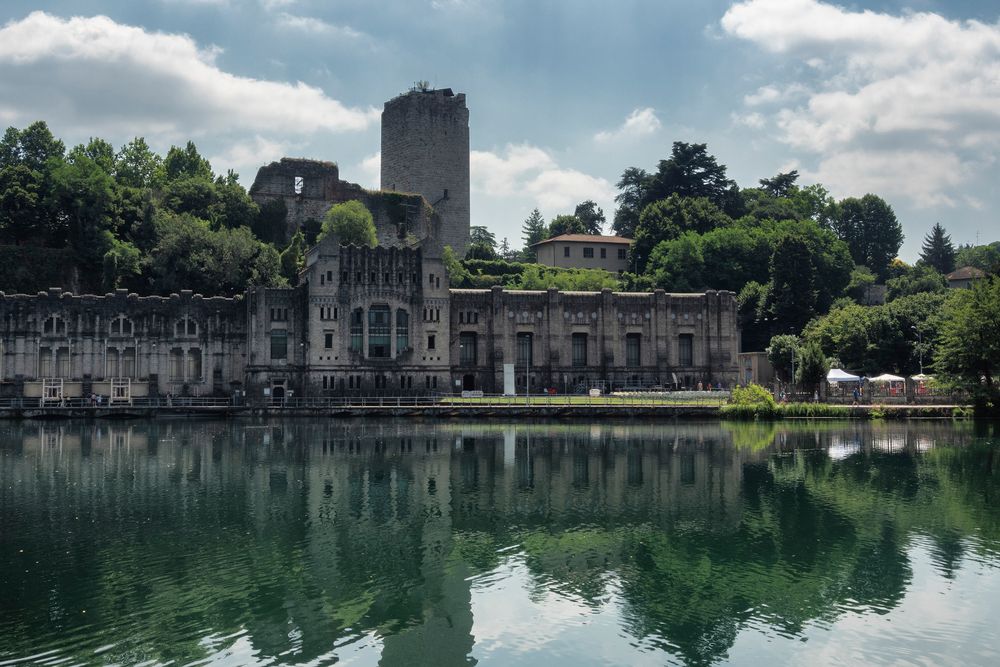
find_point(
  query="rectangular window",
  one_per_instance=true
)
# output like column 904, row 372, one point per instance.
column 566, row 251
column 431, row 279
column 525, row 351
column 111, row 369
column 194, row 365
column 588, row 253
column 128, row 363
column 378, row 331
column 467, row 345
column 430, row 342
column 604, row 253
column 45, row 362
column 177, row 365
column 622, row 253
column 62, row 362
column 633, row 350
column 357, row 330
column 329, row 276
column 328, row 340
column 402, row 331
column 279, row 344
column 579, row 349
column 685, row 350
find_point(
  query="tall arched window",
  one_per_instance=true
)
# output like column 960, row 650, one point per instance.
column 402, row 331
column 121, row 326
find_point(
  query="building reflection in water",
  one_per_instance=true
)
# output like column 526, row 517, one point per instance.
column 299, row 541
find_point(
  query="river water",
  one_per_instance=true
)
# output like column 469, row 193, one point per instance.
column 397, row 542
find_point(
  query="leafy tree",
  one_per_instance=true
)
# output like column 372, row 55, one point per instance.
column 533, row 230
column 504, row 250
column 871, row 231
column 565, row 224
column 781, row 185
column 457, row 274
column 85, row 194
column 875, row 339
column 189, row 255
column 591, row 216
column 793, row 284
column 100, row 151
column 862, row 278
column 668, row 218
column 811, row 366
column 938, row 250
column 186, row 163
column 270, row 224
column 538, row 277
column 968, row 348
column 136, row 165
column 631, row 199
column 921, row 278
column 352, row 223
column 482, row 244
column 984, row 257
column 190, row 194
column 20, row 217
column 33, row 147
column 121, row 264
column 232, row 207
column 782, row 350
column 691, row 171
column 678, row 265
column 292, row 258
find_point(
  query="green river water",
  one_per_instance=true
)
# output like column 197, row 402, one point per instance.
column 392, row 542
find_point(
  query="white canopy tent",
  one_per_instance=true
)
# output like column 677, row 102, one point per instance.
column 839, row 375
column 921, row 377
column 886, row 377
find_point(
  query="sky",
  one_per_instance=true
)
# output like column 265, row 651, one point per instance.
column 901, row 99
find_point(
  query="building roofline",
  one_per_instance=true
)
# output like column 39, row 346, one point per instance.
column 585, row 238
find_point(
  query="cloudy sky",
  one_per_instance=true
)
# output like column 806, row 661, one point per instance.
column 897, row 98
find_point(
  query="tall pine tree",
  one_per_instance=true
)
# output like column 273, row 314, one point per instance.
column 532, row 231
column 938, row 251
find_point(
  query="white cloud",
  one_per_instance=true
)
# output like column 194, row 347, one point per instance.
column 94, row 75
column 309, row 24
column 753, row 120
column 640, row 123
column 895, row 87
column 927, row 176
column 246, row 157
column 528, row 171
column 271, row 5
column 371, row 170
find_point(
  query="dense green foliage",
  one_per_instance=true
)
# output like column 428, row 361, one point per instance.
column 937, row 251
column 968, row 352
column 352, row 223
column 130, row 218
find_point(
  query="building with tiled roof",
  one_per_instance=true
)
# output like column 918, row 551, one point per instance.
column 584, row 251
column 964, row 277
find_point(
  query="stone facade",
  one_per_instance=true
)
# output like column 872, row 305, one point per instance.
column 309, row 188
column 383, row 321
column 425, row 149
column 183, row 344
column 367, row 321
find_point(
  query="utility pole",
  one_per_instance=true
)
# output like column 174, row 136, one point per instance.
column 920, row 348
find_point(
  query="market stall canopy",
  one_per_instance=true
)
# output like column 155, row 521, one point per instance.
column 887, row 377
column 921, row 377
column 838, row 375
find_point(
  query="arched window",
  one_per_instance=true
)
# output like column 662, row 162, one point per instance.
column 121, row 326
column 402, row 331
column 54, row 326
column 185, row 327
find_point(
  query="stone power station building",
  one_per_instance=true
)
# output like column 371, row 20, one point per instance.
column 368, row 321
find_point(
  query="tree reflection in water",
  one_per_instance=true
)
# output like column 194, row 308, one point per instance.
column 300, row 541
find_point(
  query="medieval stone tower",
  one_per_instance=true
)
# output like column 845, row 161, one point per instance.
column 425, row 150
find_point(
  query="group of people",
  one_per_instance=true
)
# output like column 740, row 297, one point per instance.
column 96, row 400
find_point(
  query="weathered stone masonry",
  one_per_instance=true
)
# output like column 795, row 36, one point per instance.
column 181, row 344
